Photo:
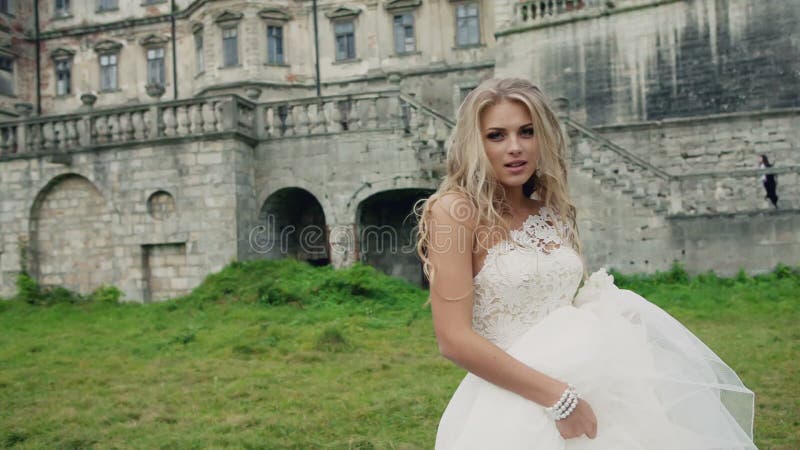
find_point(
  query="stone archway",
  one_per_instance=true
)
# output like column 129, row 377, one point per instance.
column 292, row 223
column 387, row 233
column 71, row 241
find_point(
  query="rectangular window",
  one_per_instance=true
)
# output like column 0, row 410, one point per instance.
column 6, row 75
column 62, row 7
column 107, row 5
column 404, row 33
column 345, row 40
column 155, row 66
column 108, row 72
column 467, row 25
column 230, row 47
column 199, row 59
column 274, row 44
column 63, row 77
column 5, row 7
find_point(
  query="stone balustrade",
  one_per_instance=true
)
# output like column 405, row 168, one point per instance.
column 402, row 116
column 197, row 117
column 129, row 124
column 527, row 12
column 375, row 111
column 535, row 12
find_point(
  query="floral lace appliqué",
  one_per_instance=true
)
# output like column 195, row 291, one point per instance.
column 524, row 278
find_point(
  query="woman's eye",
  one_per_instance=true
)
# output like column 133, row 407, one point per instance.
column 527, row 132
column 494, row 135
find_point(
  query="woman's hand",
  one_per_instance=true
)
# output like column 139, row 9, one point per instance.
column 581, row 421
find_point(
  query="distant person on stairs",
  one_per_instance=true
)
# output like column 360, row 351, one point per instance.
column 769, row 181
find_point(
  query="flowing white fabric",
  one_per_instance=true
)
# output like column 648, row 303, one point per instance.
column 652, row 384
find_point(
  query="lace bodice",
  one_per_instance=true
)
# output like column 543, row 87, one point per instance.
column 523, row 279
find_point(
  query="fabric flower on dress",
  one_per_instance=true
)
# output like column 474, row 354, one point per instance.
column 598, row 281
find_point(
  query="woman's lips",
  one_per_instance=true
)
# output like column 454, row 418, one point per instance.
column 517, row 169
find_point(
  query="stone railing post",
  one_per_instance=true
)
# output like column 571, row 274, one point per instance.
column 155, row 117
column 25, row 110
column 342, row 239
column 675, row 197
column 259, row 122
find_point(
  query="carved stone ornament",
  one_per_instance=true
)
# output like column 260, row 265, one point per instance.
column 107, row 46
column 275, row 14
column 154, row 90
column 228, row 16
column 61, row 54
column 342, row 12
column 394, row 5
column 153, row 40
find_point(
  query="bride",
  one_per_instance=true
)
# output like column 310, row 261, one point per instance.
column 551, row 366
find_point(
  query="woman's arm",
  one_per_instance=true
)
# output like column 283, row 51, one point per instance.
column 451, row 241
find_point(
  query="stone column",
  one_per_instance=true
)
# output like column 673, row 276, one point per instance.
column 343, row 244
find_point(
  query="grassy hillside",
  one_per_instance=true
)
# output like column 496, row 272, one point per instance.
column 284, row 355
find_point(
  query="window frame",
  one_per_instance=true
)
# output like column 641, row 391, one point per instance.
column 7, row 7
column 65, row 10
column 352, row 34
column 160, row 67
column 273, row 59
column 199, row 51
column 115, row 86
column 102, row 8
column 477, row 17
column 68, row 71
column 226, row 28
column 12, row 74
column 400, row 47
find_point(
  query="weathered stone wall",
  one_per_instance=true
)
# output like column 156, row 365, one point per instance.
column 128, row 228
column 713, row 143
column 339, row 172
column 660, row 59
column 725, row 243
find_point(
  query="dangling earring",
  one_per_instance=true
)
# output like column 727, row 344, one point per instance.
column 538, row 173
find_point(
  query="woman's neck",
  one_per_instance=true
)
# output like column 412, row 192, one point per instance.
column 517, row 200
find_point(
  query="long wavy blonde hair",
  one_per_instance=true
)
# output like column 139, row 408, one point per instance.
column 469, row 172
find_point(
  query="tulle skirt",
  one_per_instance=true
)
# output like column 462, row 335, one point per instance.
column 651, row 383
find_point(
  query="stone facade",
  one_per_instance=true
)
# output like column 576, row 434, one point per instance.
column 646, row 60
column 151, row 192
column 435, row 69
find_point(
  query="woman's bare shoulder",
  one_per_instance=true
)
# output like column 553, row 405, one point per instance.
column 454, row 206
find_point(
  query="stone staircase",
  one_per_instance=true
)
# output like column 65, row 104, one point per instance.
column 615, row 169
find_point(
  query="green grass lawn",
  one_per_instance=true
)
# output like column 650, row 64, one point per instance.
column 283, row 355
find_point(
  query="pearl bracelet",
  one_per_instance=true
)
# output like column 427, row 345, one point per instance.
column 565, row 405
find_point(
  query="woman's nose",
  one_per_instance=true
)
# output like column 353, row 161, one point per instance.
column 514, row 145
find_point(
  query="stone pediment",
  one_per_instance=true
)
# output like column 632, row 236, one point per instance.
column 107, row 46
column 197, row 26
column 228, row 16
column 343, row 12
column 394, row 5
column 153, row 40
column 274, row 14
column 62, row 53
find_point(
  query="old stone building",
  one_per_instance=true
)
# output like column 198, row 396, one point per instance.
column 148, row 143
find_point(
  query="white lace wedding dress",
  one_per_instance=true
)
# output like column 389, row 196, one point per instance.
column 652, row 384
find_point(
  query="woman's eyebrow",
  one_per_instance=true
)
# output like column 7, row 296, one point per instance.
column 529, row 124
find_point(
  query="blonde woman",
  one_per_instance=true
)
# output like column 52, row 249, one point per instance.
column 551, row 366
